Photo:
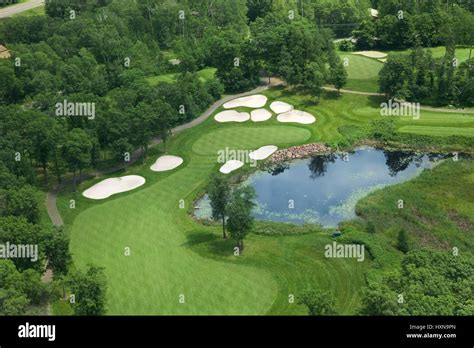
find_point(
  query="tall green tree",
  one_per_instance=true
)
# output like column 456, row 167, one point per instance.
column 339, row 76
column 240, row 220
column 89, row 289
column 402, row 241
column 219, row 194
column 318, row 302
column 23, row 202
column 77, row 151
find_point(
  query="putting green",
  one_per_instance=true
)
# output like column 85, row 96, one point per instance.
column 249, row 138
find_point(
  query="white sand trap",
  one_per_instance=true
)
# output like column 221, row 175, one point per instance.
column 252, row 101
column 279, row 107
column 111, row 186
column 263, row 152
column 371, row 54
column 232, row 116
column 296, row 116
column 260, row 115
column 230, row 166
column 165, row 163
column 383, row 60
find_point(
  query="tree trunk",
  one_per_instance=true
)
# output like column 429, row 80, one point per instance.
column 74, row 173
column 45, row 171
column 469, row 61
column 223, row 227
column 58, row 174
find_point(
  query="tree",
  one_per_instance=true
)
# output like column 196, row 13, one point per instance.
column 426, row 283
column 258, row 8
column 365, row 35
column 339, row 76
column 392, row 77
column 219, row 194
column 23, row 202
column 17, row 231
column 13, row 299
column 89, row 289
column 402, row 241
column 57, row 251
column 165, row 120
column 77, row 151
column 314, row 79
column 318, row 302
column 379, row 299
column 41, row 133
column 240, row 219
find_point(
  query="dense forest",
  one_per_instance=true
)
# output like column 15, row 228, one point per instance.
column 103, row 53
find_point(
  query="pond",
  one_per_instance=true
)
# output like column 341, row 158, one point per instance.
column 325, row 189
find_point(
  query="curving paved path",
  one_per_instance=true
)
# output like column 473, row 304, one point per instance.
column 52, row 194
column 18, row 8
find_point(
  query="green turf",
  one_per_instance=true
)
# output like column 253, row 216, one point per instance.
column 462, row 53
column 438, row 131
column 248, row 138
column 171, row 254
column 362, row 73
column 204, row 75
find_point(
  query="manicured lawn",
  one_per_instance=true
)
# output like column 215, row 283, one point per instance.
column 248, row 138
column 362, row 73
column 204, row 75
column 462, row 53
column 171, row 254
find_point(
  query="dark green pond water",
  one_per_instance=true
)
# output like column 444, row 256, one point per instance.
column 325, row 189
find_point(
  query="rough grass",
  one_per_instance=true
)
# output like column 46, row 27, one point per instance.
column 438, row 209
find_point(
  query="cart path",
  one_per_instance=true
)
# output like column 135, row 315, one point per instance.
column 21, row 7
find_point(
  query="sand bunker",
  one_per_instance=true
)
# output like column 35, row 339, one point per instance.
column 263, row 152
column 280, row 107
column 260, row 115
column 165, row 163
column 296, row 116
column 383, row 60
column 252, row 101
column 111, row 186
column 371, row 54
column 230, row 166
column 232, row 116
